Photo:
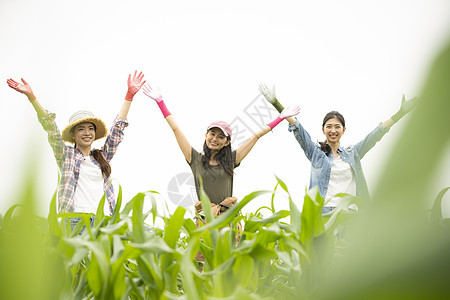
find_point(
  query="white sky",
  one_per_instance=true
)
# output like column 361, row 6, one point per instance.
column 208, row 57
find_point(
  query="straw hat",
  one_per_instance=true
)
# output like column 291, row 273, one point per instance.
column 81, row 117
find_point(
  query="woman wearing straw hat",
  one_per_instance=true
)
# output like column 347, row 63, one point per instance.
column 335, row 169
column 216, row 164
column 85, row 172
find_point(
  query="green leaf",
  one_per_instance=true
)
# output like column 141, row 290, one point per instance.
column 243, row 270
column 114, row 227
column 119, row 283
column 100, row 211
column 138, row 228
column 53, row 218
column 436, row 211
column 8, row 215
column 263, row 207
column 94, row 277
column 79, row 291
column 79, row 254
column 252, row 226
column 154, row 209
column 116, row 214
column 295, row 213
column 154, row 245
column 225, row 218
column 128, row 207
column 312, row 224
column 206, row 203
column 259, row 252
column 172, row 230
column 149, row 271
column 272, row 205
column 273, row 218
column 224, row 246
column 187, row 269
column 337, row 217
column 189, row 226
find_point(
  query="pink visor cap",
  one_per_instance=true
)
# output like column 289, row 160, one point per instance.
column 224, row 126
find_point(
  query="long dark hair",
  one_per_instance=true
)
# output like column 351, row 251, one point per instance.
column 332, row 114
column 224, row 157
column 105, row 167
column 104, row 164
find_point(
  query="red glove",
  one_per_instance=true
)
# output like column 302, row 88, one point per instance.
column 134, row 85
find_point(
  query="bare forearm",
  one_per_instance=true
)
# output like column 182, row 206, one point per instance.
column 41, row 112
column 291, row 120
column 123, row 113
column 388, row 123
column 248, row 145
column 182, row 141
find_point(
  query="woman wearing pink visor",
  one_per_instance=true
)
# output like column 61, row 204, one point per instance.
column 216, row 164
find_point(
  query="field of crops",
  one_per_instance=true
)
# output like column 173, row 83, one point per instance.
column 122, row 257
column 394, row 247
column 290, row 254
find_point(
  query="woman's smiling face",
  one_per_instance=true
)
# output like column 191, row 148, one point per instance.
column 84, row 134
column 333, row 130
column 216, row 139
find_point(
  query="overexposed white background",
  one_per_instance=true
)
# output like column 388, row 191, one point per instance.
column 208, row 57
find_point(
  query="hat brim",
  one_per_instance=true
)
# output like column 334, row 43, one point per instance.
column 100, row 129
column 220, row 127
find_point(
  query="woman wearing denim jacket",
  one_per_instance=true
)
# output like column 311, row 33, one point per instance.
column 85, row 172
column 336, row 169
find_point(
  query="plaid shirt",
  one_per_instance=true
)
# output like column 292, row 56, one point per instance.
column 69, row 160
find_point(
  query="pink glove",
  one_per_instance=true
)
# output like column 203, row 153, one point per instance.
column 286, row 113
column 156, row 95
column 134, row 85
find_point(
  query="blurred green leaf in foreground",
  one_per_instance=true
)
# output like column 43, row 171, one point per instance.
column 396, row 252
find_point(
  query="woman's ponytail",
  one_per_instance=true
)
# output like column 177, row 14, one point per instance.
column 104, row 165
column 325, row 147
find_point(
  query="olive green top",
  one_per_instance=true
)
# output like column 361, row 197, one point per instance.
column 217, row 184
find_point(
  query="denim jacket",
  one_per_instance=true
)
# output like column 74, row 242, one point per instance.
column 321, row 164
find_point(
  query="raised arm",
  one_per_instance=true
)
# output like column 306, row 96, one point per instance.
column 46, row 119
column 134, row 85
column 245, row 148
column 301, row 135
column 405, row 107
column 25, row 89
column 182, row 141
column 271, row 97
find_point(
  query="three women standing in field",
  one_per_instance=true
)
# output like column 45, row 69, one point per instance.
column 85, row 172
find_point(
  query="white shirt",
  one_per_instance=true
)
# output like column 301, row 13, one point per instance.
column 342, row 180
column 89, row 190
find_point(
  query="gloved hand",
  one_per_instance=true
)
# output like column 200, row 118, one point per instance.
column 290, row 112
column 405, row 108
column 22, row 88
column 152, row 93
column 156, row 95
column 286, row 113
column 270, row 96
column 134, row 85
column 268, row 93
